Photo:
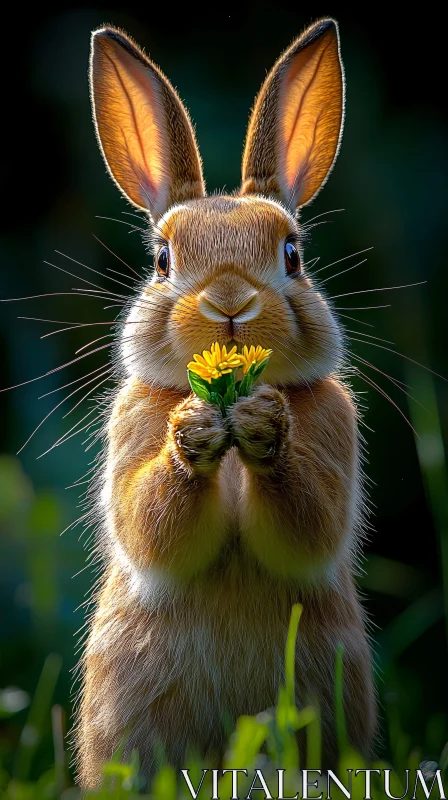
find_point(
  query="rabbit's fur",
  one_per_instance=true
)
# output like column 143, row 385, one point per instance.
column 213, row 529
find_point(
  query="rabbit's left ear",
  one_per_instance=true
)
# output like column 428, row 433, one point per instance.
column 296, row 125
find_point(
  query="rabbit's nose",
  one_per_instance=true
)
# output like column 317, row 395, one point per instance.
column 241, row 308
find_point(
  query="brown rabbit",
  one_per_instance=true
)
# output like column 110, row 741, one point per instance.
column 212, row 529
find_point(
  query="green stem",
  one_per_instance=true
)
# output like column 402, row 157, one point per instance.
column 341, row 731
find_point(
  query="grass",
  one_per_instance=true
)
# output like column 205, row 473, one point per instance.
column 267, row 741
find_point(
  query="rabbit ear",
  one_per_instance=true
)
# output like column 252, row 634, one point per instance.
column 143, row 129
column 296, row 124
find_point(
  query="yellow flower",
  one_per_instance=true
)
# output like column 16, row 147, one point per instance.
column 253, row 355
column 215, row 362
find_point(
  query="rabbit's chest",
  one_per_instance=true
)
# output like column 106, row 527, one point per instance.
column 218, row 651
column 232, row 479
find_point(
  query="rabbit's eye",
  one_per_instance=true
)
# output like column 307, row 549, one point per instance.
column 292, row 259
column 163, row 262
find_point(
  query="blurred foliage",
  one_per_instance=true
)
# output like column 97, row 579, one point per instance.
column 266, row 742
column 390, row 178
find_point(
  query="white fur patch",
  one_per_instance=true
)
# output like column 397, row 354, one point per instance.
column 151, row 585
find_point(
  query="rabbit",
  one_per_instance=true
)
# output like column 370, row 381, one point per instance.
column 213, row 527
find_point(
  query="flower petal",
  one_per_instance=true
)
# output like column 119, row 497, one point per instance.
column 200, row 359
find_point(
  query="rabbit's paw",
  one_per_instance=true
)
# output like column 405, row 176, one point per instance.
column 260, row 425
column 199, row 434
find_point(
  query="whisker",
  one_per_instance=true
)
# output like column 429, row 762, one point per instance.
column 284, row 343
column 84, row 478
column 324, row 213
column 361, row 333
column 55, row 369
column 62, row 439
column 315, row 224
column 401, row 385
column 115, row 255
column 58, row 321
column 352, row 255
column 96, row 271
column 361, row 308
column 295, row 367
column 312, row 261
column 107, row 335
column 106, row 372
column 53, row 410
column 137, row 216
column 359, row 321
column 37, row 296
column 146, row 302
column 98, row 294
column 380, row 289
column 395, row 352
column 75, row 327
column 123, row 275
column 343, row 271
column 330, row 299
column 122, row 222
column 78, row 277
column 60, row 388
column 372, row 383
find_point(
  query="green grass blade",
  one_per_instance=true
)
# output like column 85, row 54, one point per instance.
column 38, row 716
column 341, row 731
column 290, row 653
column 432, row 460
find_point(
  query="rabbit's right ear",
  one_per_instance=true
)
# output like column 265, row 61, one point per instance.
column 143, row 129
column 296, row 125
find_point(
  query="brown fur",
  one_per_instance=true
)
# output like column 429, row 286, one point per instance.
column 213, row 528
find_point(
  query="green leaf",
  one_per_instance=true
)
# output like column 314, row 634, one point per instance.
column 246, row 742
column 246, row 383
column 220, row 385
column 164, row 784
column 229, row 396
column 290, row 651
column 245, row 387
column 222, row 406
column 217, row 400
column 199, row 386
column 341, row 731
column 258, row 370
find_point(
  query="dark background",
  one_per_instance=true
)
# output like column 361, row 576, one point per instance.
column 390, row 178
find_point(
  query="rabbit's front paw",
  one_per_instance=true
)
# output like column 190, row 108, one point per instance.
column 199, row 434
column 260, row 425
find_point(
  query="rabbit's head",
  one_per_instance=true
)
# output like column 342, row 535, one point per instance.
column 226, row 268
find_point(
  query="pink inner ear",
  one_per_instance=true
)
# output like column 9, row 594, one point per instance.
column 310, row 106
column 131, row 123
column 300, row 114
